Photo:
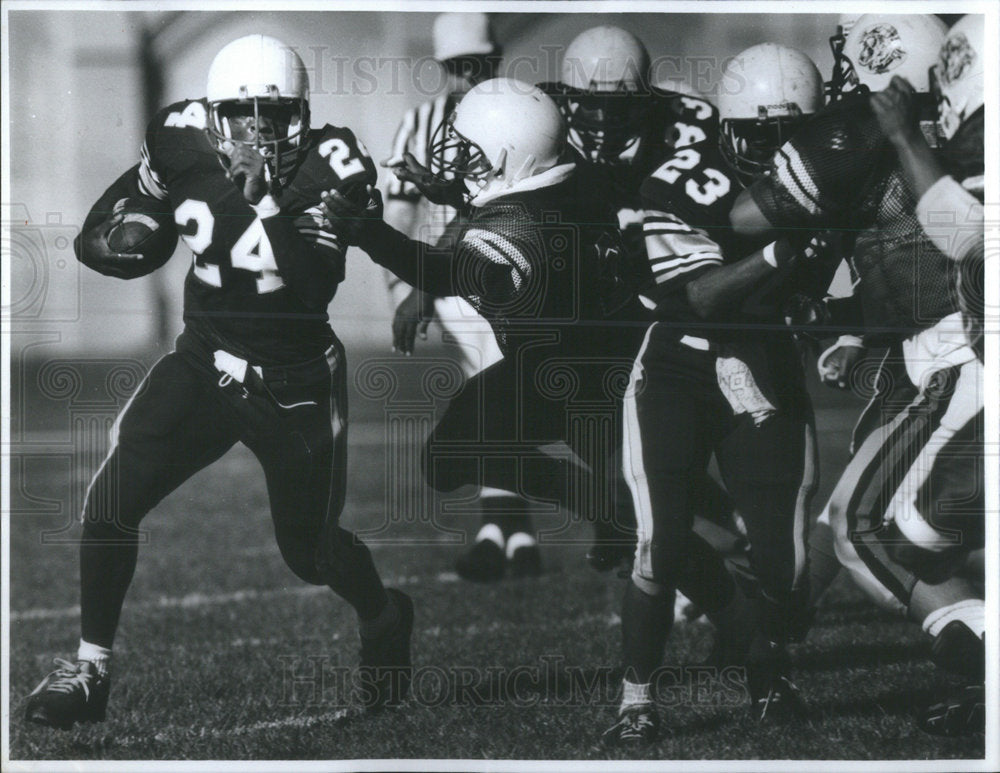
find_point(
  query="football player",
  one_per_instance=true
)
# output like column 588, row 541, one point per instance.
column 840, row 170
column 719, row 374
column 242, row 172
column 538, row 258
column 623, row 128
column 464, row 44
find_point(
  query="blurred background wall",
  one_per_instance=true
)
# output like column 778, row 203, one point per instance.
column 83, row 83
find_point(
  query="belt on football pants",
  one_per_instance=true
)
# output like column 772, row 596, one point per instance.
column 252, row 377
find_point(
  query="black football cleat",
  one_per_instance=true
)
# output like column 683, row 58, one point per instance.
column 74, row 692
column 636, row 726
column 958, row 650
column 483, row 562
column 526, row 562
column 386, row 668
column 772, row 693
column 961, row 714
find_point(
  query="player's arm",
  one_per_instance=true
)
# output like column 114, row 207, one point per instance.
column 415, row 262
column 91, row 245
column 724, row 287
column 814, row 177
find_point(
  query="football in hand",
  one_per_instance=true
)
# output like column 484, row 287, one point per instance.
column 147, row 228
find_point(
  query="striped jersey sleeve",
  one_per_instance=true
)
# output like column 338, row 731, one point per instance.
column 150, row 182
column 415, row 134
column 823, row 171
column 676, row 251
column 311, row 224
column 497, row 256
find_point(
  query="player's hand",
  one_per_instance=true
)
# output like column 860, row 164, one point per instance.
column 803, row 311
column 896, row 110
column 411, row 319
column 93, row 251
column 349, row 218
column 436, row 190
column 248, row 171
column 836, row 364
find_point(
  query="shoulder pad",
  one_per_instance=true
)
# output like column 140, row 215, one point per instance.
column 334, row 158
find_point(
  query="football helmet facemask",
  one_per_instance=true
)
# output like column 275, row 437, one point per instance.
column 957, row 76
column 879, row 46
column 502, row 132
column 260, row 78
column 602, row 91
column 766, row 92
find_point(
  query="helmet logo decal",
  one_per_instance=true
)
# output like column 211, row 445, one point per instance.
column 956, row 58
column 881, row 49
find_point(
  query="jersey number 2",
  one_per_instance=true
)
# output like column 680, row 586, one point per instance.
column 251, row 252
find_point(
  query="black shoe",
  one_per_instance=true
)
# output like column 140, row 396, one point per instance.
column 959, row 651
column 963, row 713
column 74, row 692
column 526, row 562
column 772, row 693
column 483, row 562
column 636, row 726
column 386, row 668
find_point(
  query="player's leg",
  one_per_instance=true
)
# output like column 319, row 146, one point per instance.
column 770, row 470
column 668, row 436
column 173, row 426
column 298, row 431
column 938, row 515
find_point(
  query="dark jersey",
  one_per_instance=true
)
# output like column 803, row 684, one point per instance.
column 687, row 231
column 541, row 266
column 236, row 296
column 840, row 171
column 673, row 121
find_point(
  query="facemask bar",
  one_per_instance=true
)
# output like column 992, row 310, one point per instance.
column 844, row 79
column 454, row 156
column 280, row 153
column 748, row 145
column 605, row 139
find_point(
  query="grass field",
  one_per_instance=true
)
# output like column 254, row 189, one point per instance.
column 224, row 654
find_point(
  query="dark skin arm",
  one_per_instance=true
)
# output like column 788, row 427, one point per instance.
column 896, row 113
column 724, row 287
column 746, row 217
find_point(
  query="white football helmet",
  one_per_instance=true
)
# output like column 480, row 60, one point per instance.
column 463, row 34
column 958, row 73
column 502, row 132
column 765, row 93
column 260, row 75
column 604, row 76
column 880, row 46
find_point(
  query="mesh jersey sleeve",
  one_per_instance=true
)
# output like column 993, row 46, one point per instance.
column 497, row 256
column 822, row 171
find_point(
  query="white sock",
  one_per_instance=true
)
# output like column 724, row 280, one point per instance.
column 972, row 612
column 491, row 532
column 96, row 654
column 519, row 539
column 635, row 695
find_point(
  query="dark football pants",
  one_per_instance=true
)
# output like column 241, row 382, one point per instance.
column 676, row 417
column 179, row 421
column 494, row 430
